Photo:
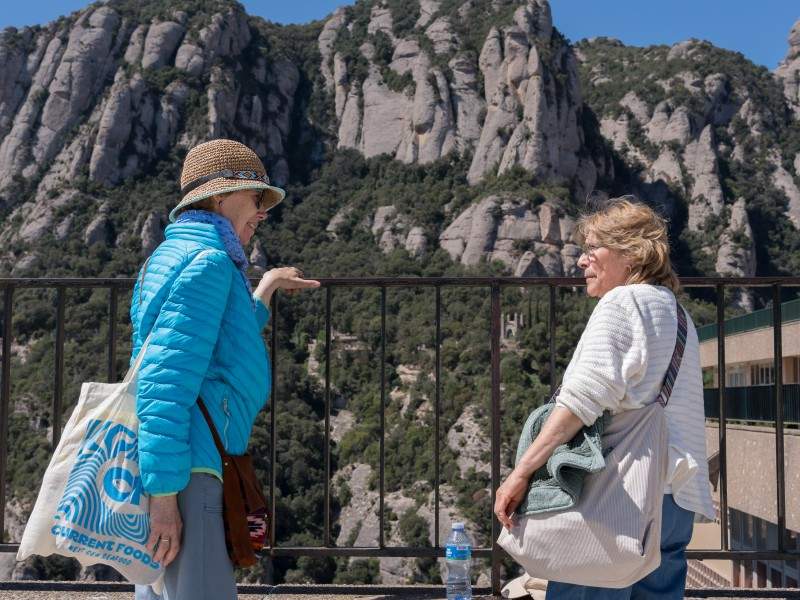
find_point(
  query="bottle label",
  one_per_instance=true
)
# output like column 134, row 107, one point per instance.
column 453, row 552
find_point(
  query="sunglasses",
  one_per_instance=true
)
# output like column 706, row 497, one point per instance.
column 259, row 200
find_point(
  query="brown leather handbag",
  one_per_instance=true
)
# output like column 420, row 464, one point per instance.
column 244, row 506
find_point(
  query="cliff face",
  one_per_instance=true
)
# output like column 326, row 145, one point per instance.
column 103, row 96
column 118, row 92
column 424, row 93
column 789, row 69
column 704, row 133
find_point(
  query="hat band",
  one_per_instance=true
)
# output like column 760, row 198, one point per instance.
column 224, row 174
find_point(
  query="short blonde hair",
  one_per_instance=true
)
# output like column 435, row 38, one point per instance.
column 639, row 234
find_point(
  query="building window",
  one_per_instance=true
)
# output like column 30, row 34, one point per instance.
column 762, row 374
column 736, row 378
column 792, row 544
column 749, row 531
column 792, row 372
column 761, row 574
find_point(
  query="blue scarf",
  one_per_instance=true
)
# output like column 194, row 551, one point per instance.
column 225, row 230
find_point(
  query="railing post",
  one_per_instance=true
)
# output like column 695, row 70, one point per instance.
column 496, row 444
column 5, row 401
column 273, row 434
column 437, row 410
column 723, row 454
column 327, row 523
column 777, row 338
column 113, row 297
column 382, row 458
column 551, row 326
column 58, row 391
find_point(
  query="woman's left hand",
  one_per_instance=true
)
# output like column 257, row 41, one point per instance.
column 289, row 279
column 508, row 497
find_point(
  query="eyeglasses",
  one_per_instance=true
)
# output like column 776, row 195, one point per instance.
column 590, row 249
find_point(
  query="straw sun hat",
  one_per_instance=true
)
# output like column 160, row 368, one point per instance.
column 221, row 166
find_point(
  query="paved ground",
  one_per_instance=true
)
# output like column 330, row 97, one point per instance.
column 129, row 596
column 6, row 595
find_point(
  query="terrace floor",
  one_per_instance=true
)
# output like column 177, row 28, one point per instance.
column 321, row 593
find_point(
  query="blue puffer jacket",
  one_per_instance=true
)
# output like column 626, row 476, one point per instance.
column 206, row 341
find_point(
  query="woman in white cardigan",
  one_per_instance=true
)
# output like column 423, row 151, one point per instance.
column 618, row 365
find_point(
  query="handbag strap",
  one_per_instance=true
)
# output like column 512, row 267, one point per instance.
column 134, row 369
column 214, row 434
column 677, row 358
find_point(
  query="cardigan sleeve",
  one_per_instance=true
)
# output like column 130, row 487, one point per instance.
column 612, row 353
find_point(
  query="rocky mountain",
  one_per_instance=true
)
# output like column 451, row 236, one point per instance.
column 414, row 137
column 789, row 69
column 710, row 137
column 105, row 96
column 422, row 93
column 102, row 95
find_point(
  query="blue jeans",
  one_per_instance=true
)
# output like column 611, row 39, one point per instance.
column 667, row 582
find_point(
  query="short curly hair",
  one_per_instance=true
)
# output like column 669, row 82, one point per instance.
column 639, row 234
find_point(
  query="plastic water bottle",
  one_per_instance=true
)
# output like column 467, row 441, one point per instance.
column 458, row 556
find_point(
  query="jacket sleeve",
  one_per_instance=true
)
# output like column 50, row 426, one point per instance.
column 612, row 354
column 135, row 345
column 262, row 312
column 181, row 343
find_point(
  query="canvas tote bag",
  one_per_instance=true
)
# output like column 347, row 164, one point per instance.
column 612, row 536
column 92, row 505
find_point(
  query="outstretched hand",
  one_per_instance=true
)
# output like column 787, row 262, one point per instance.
column 289, row 279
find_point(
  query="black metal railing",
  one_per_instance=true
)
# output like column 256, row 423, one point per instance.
column 755, row 403
column 494, row 285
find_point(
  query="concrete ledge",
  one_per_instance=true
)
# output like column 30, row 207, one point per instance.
column 59, row 590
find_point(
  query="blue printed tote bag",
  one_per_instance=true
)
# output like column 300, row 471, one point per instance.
column 91, row 505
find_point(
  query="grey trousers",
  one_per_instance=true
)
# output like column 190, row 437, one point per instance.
column 202, row 569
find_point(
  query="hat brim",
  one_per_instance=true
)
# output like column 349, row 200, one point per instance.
column 274, row 195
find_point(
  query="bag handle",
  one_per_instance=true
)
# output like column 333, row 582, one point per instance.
column 139, row 357
column 675, row 361
column 214, row 434
column 141, row 278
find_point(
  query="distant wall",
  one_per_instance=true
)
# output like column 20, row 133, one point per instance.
column 752, row 477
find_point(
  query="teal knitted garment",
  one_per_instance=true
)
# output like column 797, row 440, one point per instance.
column 558, row 483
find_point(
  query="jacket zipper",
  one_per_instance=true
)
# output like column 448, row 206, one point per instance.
column 227, row 412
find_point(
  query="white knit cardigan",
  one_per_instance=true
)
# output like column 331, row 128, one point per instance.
column 619, row 365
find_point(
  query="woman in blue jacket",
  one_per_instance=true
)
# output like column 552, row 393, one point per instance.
column 202, row 322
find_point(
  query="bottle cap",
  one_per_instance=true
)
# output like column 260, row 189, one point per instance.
column 458, row 526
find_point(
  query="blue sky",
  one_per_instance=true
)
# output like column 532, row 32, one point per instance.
column 756, row 29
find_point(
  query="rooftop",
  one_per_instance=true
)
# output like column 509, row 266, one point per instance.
column 790, row 311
